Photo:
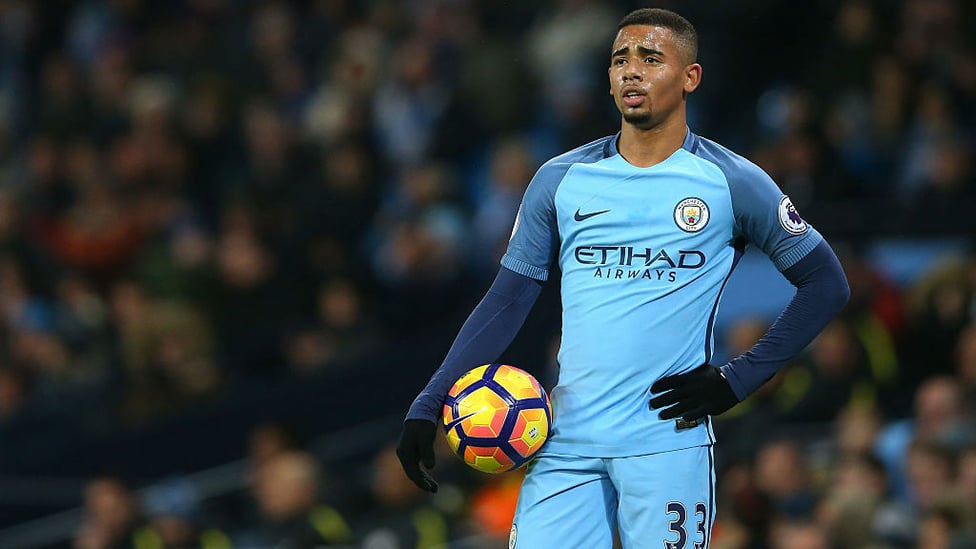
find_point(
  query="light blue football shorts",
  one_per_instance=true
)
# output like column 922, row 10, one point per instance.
column 664, row 500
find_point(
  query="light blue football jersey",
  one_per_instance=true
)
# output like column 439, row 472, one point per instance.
column 644, row 254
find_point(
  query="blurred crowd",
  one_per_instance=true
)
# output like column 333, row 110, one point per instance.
column 200, row 197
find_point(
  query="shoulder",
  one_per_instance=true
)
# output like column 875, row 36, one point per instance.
column 589, row 153
column 737, row 169
column 548, row 177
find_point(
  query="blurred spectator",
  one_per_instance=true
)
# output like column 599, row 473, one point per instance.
column 965, row 368
column 398, row 515
column 13, row 393
column 966, row 476
column 341, row 202
column 800, row 535
column 418, row 246
column 834, row 375
column 45, row 338
column 112, row 516
column 291, row 514
column 940, row 305
column 83, row 318
column 14, row 242
column 566, row 83
column 938, row 419
column 175, row 519
column 930, row 471
column 746, row 511
column 341, row 332
column 268, row 440
column 265, row 441
column 877, row 310
column 857, row 508
column 943, row 527
column 168, row 353
column 855, row 41
column 782, row 474
column 339, row 108
column 179, row 264
column 493, row 76
column 512, row 167
column 856, row 429
column 98, row 233
column 249, row 303
column 277, row 167
column 932, row 136
column 410, row 99
column 423, row 229
column 274, row 65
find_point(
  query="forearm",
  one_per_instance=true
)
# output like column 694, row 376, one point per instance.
column 485, row 335
column 821, row 293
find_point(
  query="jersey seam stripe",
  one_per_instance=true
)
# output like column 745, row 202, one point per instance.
column 587, row 154
column 711, row 496
column 737, row 255
column 788, row 259
column 736, row 230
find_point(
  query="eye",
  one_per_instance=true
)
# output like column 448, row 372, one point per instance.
column 619, row 61
column 650, row 60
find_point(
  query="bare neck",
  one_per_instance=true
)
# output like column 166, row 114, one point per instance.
column 646, row 147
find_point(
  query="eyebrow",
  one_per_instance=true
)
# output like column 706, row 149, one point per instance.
column 644, row 51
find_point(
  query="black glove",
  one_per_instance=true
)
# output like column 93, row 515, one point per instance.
column 693, row 395
column 417, row 446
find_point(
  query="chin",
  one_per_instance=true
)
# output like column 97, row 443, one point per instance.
column 640, row 120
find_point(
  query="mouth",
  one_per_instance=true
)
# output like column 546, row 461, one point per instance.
column 633, row 96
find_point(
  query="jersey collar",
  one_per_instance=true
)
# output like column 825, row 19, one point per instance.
column 690, row 144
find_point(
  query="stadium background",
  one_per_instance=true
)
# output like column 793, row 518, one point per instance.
column 237, row 236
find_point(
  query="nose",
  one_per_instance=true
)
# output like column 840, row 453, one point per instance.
column 632, row 73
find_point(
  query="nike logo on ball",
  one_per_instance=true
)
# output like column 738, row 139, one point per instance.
column 583, row 217
column 455, row 421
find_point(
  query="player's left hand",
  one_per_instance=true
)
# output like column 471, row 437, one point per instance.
column 693, row 395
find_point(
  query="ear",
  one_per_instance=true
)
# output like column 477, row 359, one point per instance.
column 693, row 74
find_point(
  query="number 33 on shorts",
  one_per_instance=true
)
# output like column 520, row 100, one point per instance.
column 678, row 525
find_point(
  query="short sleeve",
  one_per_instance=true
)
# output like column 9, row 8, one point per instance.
column 767, row 218
column 535, row 236
column 764, row 216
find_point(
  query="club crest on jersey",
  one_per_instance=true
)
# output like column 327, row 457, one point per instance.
column 511, row 536
column 789, row 219
column 691, row 215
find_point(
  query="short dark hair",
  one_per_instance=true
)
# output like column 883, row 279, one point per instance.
column 684, row 32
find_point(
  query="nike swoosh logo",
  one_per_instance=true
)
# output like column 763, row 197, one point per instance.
column 583, row 217
column 455, row 421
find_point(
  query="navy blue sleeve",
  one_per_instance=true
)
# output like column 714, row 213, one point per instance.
column 821, row 292
column 485, row 335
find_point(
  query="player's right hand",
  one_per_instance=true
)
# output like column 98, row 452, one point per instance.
column 417, row 446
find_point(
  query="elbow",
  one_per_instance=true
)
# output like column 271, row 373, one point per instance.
column 841, row 295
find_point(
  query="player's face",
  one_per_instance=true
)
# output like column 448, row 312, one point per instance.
column 649, row 75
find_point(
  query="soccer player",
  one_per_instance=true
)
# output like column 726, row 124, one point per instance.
column 646, row 226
